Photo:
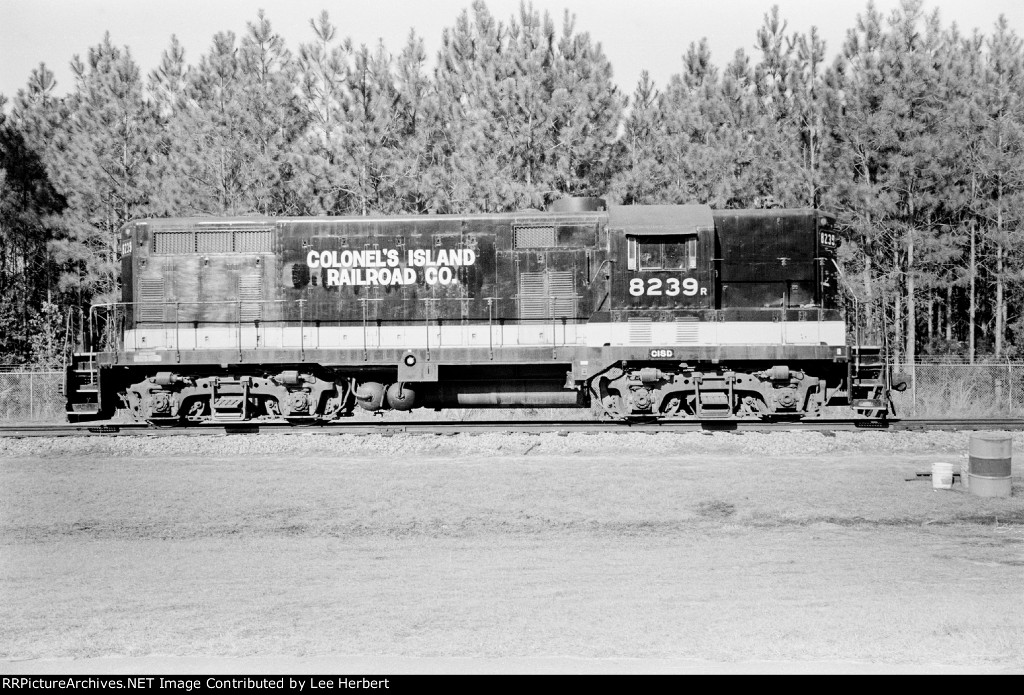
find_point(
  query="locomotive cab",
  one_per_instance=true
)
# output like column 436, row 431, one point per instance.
column 737, row 310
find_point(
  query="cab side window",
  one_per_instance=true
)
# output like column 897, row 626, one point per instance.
column 650, row 255
column 673, row 252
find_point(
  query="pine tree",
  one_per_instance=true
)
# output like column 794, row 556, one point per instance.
column 269, row 74
column 856, row 87
column 30, row 318
column 921, row 148
column 901, row 180
column 743, row 177
column 643, row 176
column 371, row 133
column 324, row 68
column 525, row 114
column 103, row 170
column 1001, row 170
column 469, row 174
column 588, row 110
column 167, row 86
column 778, row 129
column 688, row 132
column 242, row 118
column 416, row 117
column 807, row 117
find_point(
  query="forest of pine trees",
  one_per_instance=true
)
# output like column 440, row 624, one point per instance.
column 912, row 135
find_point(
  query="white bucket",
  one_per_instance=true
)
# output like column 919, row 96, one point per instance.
column 942, row 476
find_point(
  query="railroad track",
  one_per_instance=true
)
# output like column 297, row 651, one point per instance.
column 391, row 428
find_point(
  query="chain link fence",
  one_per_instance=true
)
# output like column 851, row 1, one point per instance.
column 31, row 396
column 933, row 390
column 982, row 389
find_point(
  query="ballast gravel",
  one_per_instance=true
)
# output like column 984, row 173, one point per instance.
column 430, row 446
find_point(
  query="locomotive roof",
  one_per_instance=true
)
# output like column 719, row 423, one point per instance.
column 321, row 219
column 648, row 219
column 662, row 219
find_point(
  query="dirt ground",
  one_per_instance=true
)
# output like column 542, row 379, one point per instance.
column 668, row 553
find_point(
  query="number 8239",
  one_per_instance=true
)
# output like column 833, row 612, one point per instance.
column 672, row 287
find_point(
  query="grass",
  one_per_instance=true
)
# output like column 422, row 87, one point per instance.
column 963, row 391
column 715, row 596
column 642, row 547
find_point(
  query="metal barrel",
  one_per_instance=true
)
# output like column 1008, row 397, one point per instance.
column 990, row 456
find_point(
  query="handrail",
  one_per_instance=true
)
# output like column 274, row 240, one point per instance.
column 302, row 330
column 490, row 328
column 238, row 315
column 113, row 316
column 597, row 272
column 177, row 335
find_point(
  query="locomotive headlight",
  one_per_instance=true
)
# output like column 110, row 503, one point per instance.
column 410, row 360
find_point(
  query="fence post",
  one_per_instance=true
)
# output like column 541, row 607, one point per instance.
column 1009, row 381
column 31, row 397
column 913, row 389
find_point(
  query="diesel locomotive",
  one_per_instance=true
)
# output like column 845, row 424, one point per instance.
column 658, row 311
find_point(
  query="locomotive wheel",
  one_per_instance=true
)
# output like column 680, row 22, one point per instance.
column 304, row 421
column 166, row 422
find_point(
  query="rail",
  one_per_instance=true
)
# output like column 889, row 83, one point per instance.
column 562, row 427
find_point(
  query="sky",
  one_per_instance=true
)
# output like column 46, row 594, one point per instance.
column 635, row 34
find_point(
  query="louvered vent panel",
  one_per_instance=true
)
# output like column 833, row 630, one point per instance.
column 534, row 237
column 639, row 330
column 151, row 299
column 533, row 297
column 173, row 242
column 551, row 294
column 686, row 329
column 250, row 292
column 562, row 293
column 261, row 241
column 213, row 242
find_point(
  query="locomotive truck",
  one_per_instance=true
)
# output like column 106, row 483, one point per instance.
column 639, row 312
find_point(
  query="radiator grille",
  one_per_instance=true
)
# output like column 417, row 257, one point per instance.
column 151, row 299
column 261, row 241
column 533, row 237
column 223, row 239
column 639, row 330
column 686, row 329
column 174, row 242
column 213, row 242
column 546, row 295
